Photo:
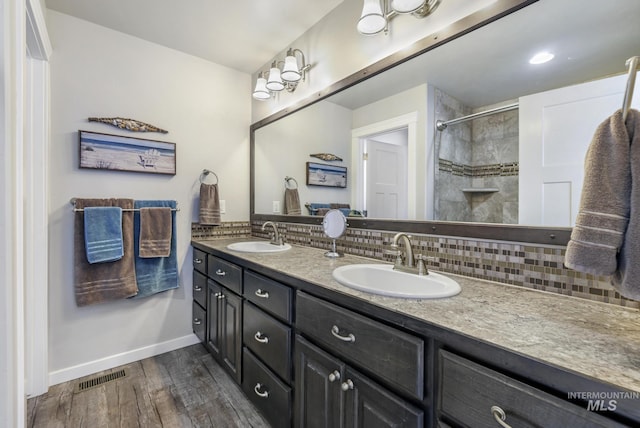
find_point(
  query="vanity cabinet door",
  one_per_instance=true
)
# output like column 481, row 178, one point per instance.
column 224, row 332
column 318, row 401
column 214, row 291
column 370, row 405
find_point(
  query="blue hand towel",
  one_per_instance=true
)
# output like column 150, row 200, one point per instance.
column 103, row 234
column 158, row 274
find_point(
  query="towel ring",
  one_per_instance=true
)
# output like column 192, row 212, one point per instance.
column 204, row 174
column 287, row 182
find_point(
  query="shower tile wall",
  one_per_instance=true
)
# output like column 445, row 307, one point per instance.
column 481, row 153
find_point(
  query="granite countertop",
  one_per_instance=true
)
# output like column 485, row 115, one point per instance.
column 594, row 339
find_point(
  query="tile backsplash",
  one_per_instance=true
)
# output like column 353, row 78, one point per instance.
column 523, row 265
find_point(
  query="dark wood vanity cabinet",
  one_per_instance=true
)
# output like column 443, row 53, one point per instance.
column 329, row 393
column 224, row 319
column 268, row 347
column 306, row 360
column 472, row 395
column 332, row 391
column 199, row 306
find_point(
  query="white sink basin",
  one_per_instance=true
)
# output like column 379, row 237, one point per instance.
column 257, row 247
column 382, row 279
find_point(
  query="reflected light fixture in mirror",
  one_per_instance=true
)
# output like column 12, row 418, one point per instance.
column 376, row 14
column 294, row 69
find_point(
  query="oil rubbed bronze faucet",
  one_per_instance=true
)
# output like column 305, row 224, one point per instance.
column 276, row 239
column 410, row 263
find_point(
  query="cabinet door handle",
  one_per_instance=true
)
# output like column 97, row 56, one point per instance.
column 197, row 288
column 197, row 321
column 334, row 376
column 259, row 337
column 197, row 261
column 221, row 296
column 499, row 415
column 263, row 294
column 336, row 333
column 259, row 393
column 347, row 385
column 220, row 272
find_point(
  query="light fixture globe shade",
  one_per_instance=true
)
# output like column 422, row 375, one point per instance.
column 406, row 6
column 274, row 83
column 261, row 92
column 290, row 71
column 372, row 20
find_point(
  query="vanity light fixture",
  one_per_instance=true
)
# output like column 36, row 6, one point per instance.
column 376, row 14
column 294, row 69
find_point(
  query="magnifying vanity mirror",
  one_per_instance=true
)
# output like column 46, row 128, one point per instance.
column 512, row 175
column 334, row 225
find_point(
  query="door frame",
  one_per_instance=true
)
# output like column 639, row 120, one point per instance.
column 409, row 121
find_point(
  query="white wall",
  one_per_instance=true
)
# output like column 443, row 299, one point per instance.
column 206, row 109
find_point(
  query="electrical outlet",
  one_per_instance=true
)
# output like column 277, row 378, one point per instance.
column 223, row 206
column 276, row 207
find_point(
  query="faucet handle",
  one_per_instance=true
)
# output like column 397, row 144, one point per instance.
column 422, row 266
column 395, row 251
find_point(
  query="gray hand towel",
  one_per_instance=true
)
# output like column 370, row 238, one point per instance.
column 292, row 202
column 209, row 204
column 604, row 240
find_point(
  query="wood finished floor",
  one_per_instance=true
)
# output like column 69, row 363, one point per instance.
column 182, row 388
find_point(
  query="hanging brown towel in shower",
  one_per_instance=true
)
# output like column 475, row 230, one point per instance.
column 102, row 282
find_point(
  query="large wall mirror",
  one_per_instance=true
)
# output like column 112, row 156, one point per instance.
column 505, row 162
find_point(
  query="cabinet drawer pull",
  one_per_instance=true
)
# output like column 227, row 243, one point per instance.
column 499, row 415
column 263, row 294
column 197, row 321
column 257, row 389
column 197, row 261
column 220, row 272
column 221, row 296
column 197, row 288
column 347, row 385
column 334, row 376
column 336, row 333
column 260, row 338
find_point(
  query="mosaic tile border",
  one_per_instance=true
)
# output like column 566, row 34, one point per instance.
column 479, row 171
column 533, row 267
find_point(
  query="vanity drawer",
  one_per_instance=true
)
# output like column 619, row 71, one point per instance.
column 225, row 273
column 269, row 339
column 200, row 289
column 200, row 261
column 468, row 391
column 198, row 320
column 269, row 394
column 270, row 295
column 385, row 352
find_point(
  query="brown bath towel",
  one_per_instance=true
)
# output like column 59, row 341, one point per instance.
column 101, row 282
column 292, row 202
column 155, row 232
column 209, row 204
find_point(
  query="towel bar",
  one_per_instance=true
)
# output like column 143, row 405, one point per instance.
column 73, row 202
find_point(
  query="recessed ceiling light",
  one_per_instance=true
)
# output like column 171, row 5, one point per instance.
column 541, row 58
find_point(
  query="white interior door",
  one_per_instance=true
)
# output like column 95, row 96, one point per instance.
column 556, row 128
column 386, row 179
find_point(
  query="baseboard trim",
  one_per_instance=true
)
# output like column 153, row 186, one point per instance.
column 91, row 367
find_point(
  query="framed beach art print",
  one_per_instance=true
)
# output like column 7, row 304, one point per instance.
column 119, row 153
column 319, row 174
